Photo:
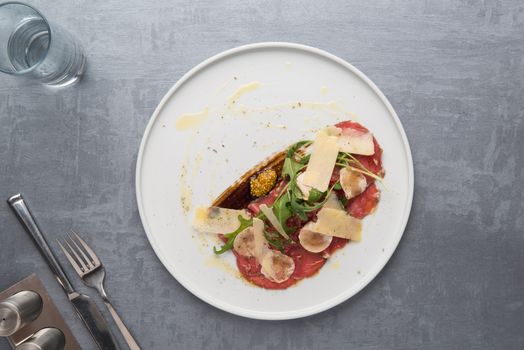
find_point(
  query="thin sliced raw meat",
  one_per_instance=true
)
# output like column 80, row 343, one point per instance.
column 365, row 203
column 336, row 244
column 306, row 265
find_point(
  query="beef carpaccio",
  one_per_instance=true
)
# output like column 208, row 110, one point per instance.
column 285, row 220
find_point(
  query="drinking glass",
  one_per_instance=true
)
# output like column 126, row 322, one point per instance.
column 32, row 47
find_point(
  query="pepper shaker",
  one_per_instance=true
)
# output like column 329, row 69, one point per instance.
column 44, row 339
column 18, row 310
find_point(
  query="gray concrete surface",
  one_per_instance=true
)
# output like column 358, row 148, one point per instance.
column 453, row 70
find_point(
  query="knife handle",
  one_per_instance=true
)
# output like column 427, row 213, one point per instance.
column 23, row 213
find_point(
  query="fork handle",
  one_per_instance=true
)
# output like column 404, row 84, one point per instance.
column 131, row 342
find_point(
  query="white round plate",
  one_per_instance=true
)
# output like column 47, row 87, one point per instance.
column 245, row 104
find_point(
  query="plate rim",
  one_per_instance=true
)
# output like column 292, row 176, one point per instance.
column 308, row 311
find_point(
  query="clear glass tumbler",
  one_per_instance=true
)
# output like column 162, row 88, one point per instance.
column 32, row 47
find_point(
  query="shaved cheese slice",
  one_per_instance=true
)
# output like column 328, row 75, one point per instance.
column 313, row 241
column 356, row 142
column 353, row 183
column 356, row 236
column 333, row 202
column 322, row 161
column 244, row 243
column 277, row 267
column 260, row 245
column 268, row 212
column 218, row 220
column 332, row 130
column 337, row 223
column 304, row 189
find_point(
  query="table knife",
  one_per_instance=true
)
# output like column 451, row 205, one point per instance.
column 84, row 306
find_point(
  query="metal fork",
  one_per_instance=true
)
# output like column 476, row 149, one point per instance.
column 91, row 271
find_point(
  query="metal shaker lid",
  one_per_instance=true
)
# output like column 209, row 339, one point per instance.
column 10, row 319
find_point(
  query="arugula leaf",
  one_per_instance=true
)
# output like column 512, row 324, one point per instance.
column 296, row 205
column 342, row 157
column 301, row 207
column 276, row 240
column 291, row 168
column 347, row 159
column 299, row 210
column 282, row 210
column 244, row 223
column 314, row 195
column 294, row 147
column 337, row 186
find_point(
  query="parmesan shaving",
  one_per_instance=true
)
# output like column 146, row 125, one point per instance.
column 260, row 243
column 337, row 223
column 322, row 161
column 304, row 189
column 353, row 183
column 217, row 220
column 313, row 241
column 333, row 202
column 356, row 142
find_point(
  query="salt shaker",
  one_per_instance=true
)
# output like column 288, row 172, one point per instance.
column 44, row 339
column 18, row 310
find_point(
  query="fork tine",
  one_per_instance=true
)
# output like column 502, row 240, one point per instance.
column 83, row 266
column 71, row 260
column 90, row 251
column 89, row 263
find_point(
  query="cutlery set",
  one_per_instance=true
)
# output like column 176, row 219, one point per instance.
column 89, row 268
column 92, row 272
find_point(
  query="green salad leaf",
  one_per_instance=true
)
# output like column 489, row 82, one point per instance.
column 345, row 159
column 314, row 195
column 276, row 240
column 282, row 209
column 296, row 146
column 291, row 168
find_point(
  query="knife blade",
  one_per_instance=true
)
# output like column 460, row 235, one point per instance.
column 93, row 319
column 85, row 308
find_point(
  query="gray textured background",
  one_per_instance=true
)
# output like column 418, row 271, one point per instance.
column 452, row 69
